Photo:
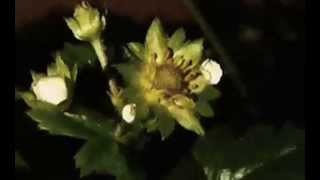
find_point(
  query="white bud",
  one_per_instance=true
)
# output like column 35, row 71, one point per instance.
column 129, row 113
column 211, row 71
column 52, row 90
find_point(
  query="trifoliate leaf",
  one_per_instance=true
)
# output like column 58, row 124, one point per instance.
column 177, row 39
column 186, row 119
column 204, row 108
column 81, row 125
column 101, row 155
column 156, row 41
column 190, row 52
column 225, row 157
column 82, row 55
column 137, row 49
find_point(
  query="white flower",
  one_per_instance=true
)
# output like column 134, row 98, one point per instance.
column 129, row 113
column 52, row 90
column 211, row 71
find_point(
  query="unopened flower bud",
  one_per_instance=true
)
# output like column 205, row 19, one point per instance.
column 211, row 70
column 129, row 113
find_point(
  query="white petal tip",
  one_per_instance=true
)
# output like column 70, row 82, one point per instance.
column 129, row 113
column 212, row 71
column 51, row 89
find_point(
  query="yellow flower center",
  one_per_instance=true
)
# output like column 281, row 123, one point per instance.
column 168, row 78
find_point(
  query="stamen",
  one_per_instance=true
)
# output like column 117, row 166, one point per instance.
column 191, row 76
column 169, row 53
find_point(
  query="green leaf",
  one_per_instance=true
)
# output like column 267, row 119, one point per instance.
column 58, row 68
column 36, row 76
column 204, row 108
column 165, row 122
column 62, row 68
column 133, row 95
column 20, row 163
column 191, row 52
column 30, row 99
column 82, row 55
column 225, row 157
column 137, row 49
column 290, row 166
column 177, row 39
column 209, row 93
column 74, row 74
column 101, row 155
column 156, row 41
column 135, row 170
column 52, row 69
column 82, row 125
column 186, row 119
column 128, row 72
column 151, row 125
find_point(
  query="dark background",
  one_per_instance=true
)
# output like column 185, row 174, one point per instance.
column 265, row 39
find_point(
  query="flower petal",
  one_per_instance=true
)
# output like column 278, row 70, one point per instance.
column 51, row 89
column 186, row 119
column 156, row 41
column 212, row 71
column 190, row 53
column 177, row 39
column 129, row 113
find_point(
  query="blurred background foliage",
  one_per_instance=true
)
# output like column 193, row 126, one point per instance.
column 265, row 41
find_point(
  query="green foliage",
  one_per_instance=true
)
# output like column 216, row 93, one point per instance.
column 137, row 49
column 165, row 122
column 30, row 99
column 204, row 108
column 225, row 157
column 187, row 119
column 128, row 72
column 133, row 95
column 177, row 39
column 100, row 155
column 81, row 125
column 191, row 51
column 156, row 41
column 80, row 55
column 210, row 93
column 59, row 68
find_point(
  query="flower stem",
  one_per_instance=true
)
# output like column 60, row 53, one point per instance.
column 99, row 48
